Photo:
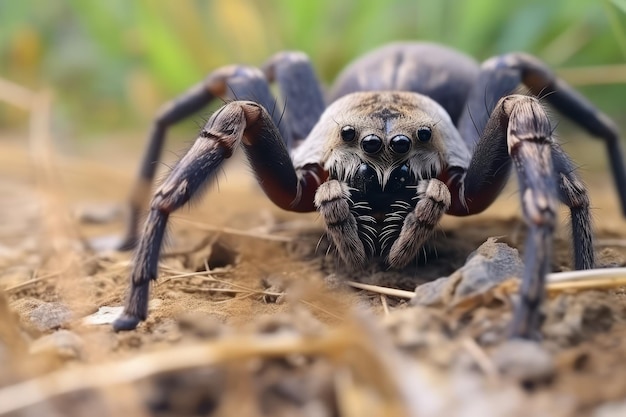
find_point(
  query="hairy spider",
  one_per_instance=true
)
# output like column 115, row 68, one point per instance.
column 413, row 131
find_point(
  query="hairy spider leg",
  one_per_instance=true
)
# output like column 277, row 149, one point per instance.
column 544, row 172
column 433, row 200
column 172, row 112
column 333, row 202
column 303, row 103
column 300, row 90
column 573, row 194
column 238, row 122
column 491, row 165
column 529, row 141
column 519, row 129
column 502, row 75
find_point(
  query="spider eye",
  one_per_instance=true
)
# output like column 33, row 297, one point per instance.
column 400, row 144
column 371, row 143
column 348, row 133
column 424, row 134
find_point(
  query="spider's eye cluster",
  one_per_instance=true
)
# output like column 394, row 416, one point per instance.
column 372, row 144
column 348, row 133
column 424, row 133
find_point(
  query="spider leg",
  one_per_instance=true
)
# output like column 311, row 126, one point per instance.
column 299, row 87
column 334, row 205
column 188, row 103
column 433, row 201
column 519, row 130
column 237, row 122
column 573, row 194
column 300, row 90
column 529, row 142
column 502, row 75
column 245, row 83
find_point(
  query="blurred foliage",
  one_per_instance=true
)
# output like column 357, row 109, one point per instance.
column 112, row 63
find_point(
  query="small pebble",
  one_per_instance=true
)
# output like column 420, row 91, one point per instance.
column 62, row 343
column 47, row 316
column 525, row 360
column 104, row 315
column 98, row 213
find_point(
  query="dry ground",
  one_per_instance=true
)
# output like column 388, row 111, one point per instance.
column 250, row 317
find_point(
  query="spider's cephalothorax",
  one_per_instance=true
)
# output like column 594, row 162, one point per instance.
column 413, row 131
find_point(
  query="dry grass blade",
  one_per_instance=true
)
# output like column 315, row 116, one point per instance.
column 181, row 275
column 617, row 274
column 556, row 282
column 620, row 243
column 231, row 291
column 481, row 358
column 382, row 290
column 352, row 349
column 234, row 232
column 383, row 302
column 71, row 380
column 16, row 95
column 590, row 279
column 59, row 230
column 589, row 284
column 47, row 276
column 32, row 281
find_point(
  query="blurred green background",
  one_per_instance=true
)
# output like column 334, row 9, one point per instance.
column 111, row 63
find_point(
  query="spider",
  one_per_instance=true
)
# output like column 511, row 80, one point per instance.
column 413, row 131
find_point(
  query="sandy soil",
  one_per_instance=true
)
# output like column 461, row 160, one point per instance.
column 251, row 317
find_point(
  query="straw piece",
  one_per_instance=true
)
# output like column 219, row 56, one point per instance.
column 558, row 281
column 382, row 290
column 65, row 381
column 235, row 232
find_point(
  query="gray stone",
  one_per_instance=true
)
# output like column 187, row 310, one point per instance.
column 489, row 265
column 62, row 343
column 611, row 409
column 47, row 316
column 525, row 360
column 104, row 315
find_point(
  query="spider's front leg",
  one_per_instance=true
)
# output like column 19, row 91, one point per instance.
column 529, row 139
column 433, row 200
column 518, row 130
column 333, row 202
column 502, row 75
column 237, row 122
